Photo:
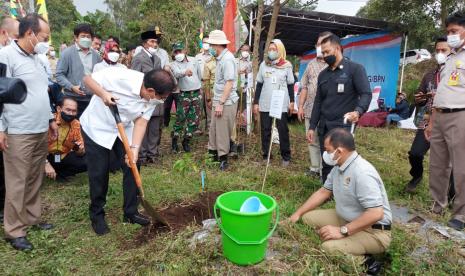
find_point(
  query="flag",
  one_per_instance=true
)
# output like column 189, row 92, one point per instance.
column 42, row 9
column 201, row 35
column 16, row 9
column 231, row 24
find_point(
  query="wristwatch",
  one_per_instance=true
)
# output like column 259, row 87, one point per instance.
column 344, row 231
column 221, row 103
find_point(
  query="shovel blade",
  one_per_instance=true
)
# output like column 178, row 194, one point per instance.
column 156, row 217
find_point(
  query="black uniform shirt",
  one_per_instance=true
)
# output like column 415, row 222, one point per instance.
column 340, row 91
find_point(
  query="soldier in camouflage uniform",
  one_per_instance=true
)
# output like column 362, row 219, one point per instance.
column 188, row 73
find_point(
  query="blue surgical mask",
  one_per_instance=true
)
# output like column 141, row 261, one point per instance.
column 273, row 55
column 85, row 42
column 212, row 51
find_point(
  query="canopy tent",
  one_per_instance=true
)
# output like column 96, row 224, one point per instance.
column 299, row 30
column 369, row 42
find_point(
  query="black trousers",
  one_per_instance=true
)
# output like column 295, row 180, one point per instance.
column 418, row 150
column 167, row 106
column 322, row 131
column 98, row 163
column 266, row 123
column 2, row 183
column 416, row 155
column 71, row 165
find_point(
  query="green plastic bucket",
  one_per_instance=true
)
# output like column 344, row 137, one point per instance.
column 245, row 235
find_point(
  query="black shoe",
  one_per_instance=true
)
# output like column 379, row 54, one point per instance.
column 456, row 224
column 232, row 149
column 373, row 267
column 137, row 219
column 185, row 144
column 174, row 144
column 20, row 243
column 412, row 185
column 1, row 216
column 223, row 162
column 43, row 226
column 214, row 155
column 100, row 227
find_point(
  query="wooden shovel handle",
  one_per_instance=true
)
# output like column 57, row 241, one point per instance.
column 127, row 149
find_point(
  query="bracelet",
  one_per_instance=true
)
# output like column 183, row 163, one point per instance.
column 134, row 146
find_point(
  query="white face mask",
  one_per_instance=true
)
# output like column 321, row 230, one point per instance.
column 113, row 56
column 52, row 53
column 329, row 158
column 205, row 46
column 179, row 57
column 245, row 54
column 454, row 41
column 152, row 50
column 319, row 53
column 441, row 58
column 40, row 48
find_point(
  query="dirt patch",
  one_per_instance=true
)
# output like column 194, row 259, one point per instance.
column 179, row 216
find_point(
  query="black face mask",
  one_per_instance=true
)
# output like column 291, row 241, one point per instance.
column 330, row 60
column 67, row 118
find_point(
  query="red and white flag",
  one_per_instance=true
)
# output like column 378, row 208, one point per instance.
column 232, row 24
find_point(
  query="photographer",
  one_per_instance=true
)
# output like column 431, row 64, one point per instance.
column 424, row 102
column 66, row 152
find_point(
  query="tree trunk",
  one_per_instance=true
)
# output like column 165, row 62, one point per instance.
column 274, row 20
column 444, row 13
column 256, row 40
column 256, row 53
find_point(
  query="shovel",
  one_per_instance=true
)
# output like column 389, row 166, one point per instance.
column 156, row 217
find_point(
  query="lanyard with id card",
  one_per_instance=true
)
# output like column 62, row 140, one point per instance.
column 341, row 81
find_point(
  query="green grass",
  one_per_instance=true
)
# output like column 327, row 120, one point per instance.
column 72, row 247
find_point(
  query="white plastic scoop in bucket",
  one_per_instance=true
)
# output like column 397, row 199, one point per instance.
column 252, row 205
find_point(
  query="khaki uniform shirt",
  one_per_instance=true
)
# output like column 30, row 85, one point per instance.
column 451, row 89
column 209, row 73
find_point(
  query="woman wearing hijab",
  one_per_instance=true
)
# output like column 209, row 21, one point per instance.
column 111, row 56
column 275, row 73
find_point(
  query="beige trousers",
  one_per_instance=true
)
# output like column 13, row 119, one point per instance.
column 369, row 241
column 24, row 170
column 448, row 148
column 221, row 129
column 314, row 149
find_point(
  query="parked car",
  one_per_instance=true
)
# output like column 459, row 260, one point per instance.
column 415, row 56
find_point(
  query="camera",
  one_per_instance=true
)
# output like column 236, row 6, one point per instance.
column 12, row 91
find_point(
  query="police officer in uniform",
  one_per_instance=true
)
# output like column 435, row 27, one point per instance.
column 343, row 92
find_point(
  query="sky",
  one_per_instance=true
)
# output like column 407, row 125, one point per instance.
column 344, row 7
column 85, row 6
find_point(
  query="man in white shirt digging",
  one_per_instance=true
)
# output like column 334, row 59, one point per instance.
column 136, row 95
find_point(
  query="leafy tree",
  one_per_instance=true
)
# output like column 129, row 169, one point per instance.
column 422, row 19
column 101, row 22
column 128, row 20
column 179, row 20
column 61, row 14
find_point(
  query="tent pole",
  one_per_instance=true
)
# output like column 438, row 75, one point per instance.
column 250, row 27
column 403, row 63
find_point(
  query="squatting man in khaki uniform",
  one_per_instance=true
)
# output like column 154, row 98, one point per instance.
column 361, row 223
